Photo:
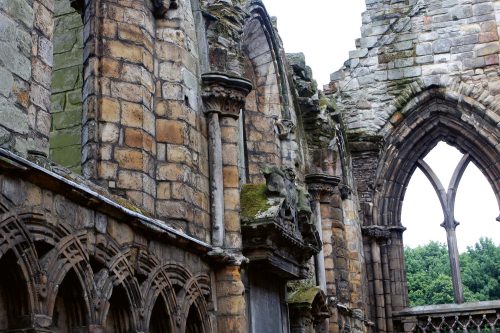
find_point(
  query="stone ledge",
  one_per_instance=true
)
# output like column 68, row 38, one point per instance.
column 17, row 166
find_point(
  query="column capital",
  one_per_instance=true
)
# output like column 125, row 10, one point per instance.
column 224, row 94
column 321, row 185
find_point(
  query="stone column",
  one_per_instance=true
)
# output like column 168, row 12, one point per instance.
column 321, row 187
column 378, row 234
column 224, row 97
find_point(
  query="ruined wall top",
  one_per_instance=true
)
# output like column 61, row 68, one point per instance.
column 409, row 46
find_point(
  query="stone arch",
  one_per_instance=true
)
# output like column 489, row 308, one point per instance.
column 436, row 114
column 432, row 115
column 269, row 102
column 15, row 300
column 417, row 93
column 158, row 287
column 17, row 239
column 118, row 271
column 190, row 298
column 69, row 254
column 195, row 309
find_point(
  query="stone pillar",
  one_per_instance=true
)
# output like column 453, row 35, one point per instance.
column 375, row 235
column 322, row 188
column 231, row 305
column 224, row 97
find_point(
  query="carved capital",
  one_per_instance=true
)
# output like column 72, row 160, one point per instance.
column 161, row 7
column 224, row 94
column 321, row 186
column 376, row 232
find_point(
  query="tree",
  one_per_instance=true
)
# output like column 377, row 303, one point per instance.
column 429, row 278
column 480, row 267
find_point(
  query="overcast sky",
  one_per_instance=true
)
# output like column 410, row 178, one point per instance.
column 325, row 31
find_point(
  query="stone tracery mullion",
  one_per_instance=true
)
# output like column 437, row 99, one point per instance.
column 447, row 200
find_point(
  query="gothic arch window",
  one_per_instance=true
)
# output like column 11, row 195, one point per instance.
column 435, row 194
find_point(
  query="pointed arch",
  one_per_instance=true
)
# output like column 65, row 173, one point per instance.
column 269, row 102
column 434, row 116
column 116, row 265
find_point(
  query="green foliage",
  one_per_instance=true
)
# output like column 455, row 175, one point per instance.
column 429, row 278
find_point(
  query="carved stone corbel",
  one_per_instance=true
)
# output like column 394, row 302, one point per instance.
column 161, row 7
column 225, row 94
column 285, row 128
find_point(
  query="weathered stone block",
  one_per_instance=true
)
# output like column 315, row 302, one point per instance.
column 170, row 131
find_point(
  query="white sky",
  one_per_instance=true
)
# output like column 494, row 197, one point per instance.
column 325, row 31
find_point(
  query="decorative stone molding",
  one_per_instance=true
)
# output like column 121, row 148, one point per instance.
column 161, row 7
column 278, row 232
column 285, row 127
column 376, row 232
column 321, row 186
column 224, row 94
column 381, row 232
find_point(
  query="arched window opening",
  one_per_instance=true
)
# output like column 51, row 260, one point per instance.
column 118, row 319
column 194, row 323
column 14, row 309
column 69, row 313
column 67, row 83
column 160, row 317
column 443, row 248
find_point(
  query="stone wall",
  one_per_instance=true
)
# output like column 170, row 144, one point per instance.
column 26, row 60
column 67, row 82
column 403, row 44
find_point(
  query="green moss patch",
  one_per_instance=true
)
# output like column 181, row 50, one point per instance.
column 253, row 200
column 303, row 295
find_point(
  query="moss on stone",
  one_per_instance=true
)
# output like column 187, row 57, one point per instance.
column 303, row 295
column 253, row 200
column 131, row 206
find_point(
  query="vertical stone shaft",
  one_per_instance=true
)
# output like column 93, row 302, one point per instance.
column 378, row 286
column 458, row 290
column 230, row 153
column 224, row 98
column 216, row 179
column 320, row 257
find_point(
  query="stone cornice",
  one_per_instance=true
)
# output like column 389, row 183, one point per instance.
column 224, row 94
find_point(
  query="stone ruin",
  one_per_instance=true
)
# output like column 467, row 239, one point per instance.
column 166, row 167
